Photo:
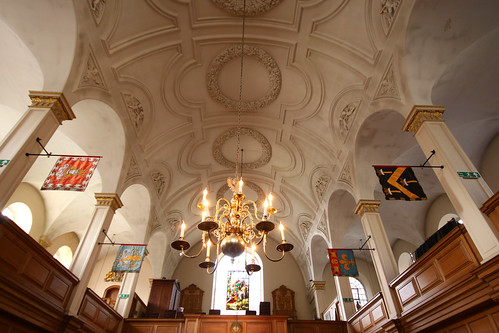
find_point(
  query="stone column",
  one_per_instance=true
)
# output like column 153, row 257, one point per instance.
column 466, row 195
column 317, row 288
column 344, row 291
column 383, row 259
column 41, row 120
column 88, row 250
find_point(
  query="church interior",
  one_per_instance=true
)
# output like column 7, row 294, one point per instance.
column 299, row 99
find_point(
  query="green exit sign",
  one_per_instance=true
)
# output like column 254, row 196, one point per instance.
column 347, row 299
column 124, row 296
column 469, row 174
column 4, row 163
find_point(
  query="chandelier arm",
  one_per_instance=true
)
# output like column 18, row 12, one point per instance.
column 216, row 241
column 193, row 256
column 265, row 252
column 216, row 262
column 255, row 209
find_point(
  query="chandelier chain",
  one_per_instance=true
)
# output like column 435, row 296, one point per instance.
column 239, row 104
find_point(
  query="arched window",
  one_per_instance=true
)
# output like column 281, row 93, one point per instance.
column 64, row 255
column 358, row 291
column 20, row 214
column 234, row 291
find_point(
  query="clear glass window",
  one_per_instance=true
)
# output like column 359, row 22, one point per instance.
column 358, row 291
column 20, row 214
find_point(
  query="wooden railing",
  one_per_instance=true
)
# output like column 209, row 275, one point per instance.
column 371, row 316
column 34, row 287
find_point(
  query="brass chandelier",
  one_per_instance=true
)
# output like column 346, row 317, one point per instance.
column 236, row 226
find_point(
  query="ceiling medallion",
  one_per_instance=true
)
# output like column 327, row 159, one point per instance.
column 237, row 226
column 234, row 52
column 264, row 143
column 253, row 7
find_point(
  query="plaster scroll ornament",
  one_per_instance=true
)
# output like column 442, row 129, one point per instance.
column 388, row 11
column 253, row 7
column 323, row 225
column 346, row 117
column 159, row 182
column 259, row 137
column 91, row 76
column 174, row 225
column 133, row 169
column 305, row 228
column 345, row 174
column 388, row 87
column 261, row 56
column 135, row 110
column 97, row 7
column 321, row 185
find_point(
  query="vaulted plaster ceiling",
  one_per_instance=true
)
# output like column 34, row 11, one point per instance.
column 327, row 85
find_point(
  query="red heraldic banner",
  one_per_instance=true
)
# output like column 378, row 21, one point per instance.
column 71, row 173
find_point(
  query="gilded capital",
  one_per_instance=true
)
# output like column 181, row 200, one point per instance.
column 421, row 113
column 366, row 206
column 111, row 200
column 54, row 101
column 318, row 285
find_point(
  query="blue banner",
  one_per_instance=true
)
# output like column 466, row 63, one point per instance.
column 342, row 262
column 129, row 258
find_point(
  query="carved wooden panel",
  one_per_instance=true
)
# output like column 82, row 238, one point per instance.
column 35, row 287
column 487, row 321
column 407, row 292
column 191, row 299
column 284, row 302
column 371, row 317
column 428, row 278
column 316, row 326
column 97, row 315
column 149, row 326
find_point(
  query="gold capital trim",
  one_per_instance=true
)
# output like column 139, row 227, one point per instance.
column 54, row 101
column 366, row 206
column 318, row 285
column 111, row 200
column 421, row 113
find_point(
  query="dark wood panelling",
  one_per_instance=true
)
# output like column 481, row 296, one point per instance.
column 97, row 315
column 316, row 326
column 370, row 317
column 34, row 287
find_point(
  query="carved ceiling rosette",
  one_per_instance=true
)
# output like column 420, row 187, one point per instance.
column 261, row 56
column 253, row 7
column 259, row 137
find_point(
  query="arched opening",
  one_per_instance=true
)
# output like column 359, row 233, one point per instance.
column 65, row 255
column 358, row 292
column 21, row 214
column 234, row 291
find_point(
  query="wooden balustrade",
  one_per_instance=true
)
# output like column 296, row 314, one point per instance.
column 97, row 315
column 34, row 287
column 371, row 317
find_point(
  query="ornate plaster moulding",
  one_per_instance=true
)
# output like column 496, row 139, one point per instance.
column 261, row 56
column 259, row 137
column 253, row 7
column 261, row 195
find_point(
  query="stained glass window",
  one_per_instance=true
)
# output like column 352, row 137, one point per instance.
column 237, row 290
column 234, row 290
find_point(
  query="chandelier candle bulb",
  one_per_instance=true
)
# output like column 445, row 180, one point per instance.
column 208, row 245
column 281, row 227
column 241, row 183
column 270, row 199
column 182, row 230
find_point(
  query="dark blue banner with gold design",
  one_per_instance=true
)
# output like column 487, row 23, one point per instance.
column 399, row 183
column 129, row 258
column 342, row 262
